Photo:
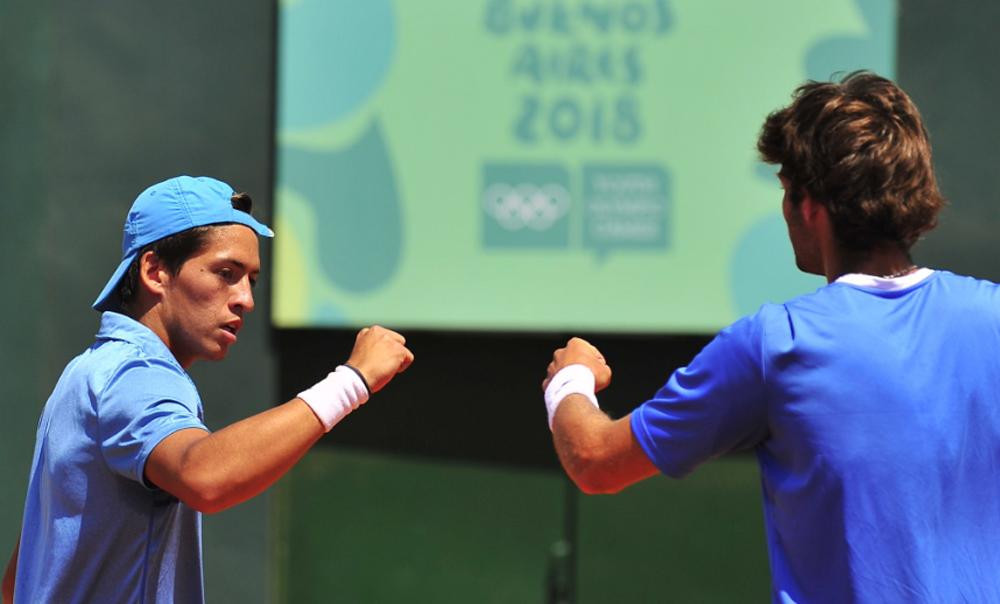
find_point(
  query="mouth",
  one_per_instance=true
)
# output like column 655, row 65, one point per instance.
column 232, row 329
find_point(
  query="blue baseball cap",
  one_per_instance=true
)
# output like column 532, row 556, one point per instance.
column 167, row 208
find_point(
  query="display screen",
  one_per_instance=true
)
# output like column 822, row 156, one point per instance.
column 543, row 165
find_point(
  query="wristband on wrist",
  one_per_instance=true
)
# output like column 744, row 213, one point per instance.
column 572, row 379
column 336, row 395
column 360, row 375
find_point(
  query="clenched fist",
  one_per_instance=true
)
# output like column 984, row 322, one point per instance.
column 580, row 351
column 379, row 354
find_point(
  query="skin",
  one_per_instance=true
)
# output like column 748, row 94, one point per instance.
column 8, row 575
column 817, row 251
column 601, row 455
column 195, row 312
column 198, row 314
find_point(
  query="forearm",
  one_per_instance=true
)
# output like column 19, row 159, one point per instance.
column 215, row 471
column 599, row 454
column 578, row 433
column 10, row 574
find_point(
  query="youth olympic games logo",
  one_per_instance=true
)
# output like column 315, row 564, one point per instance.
column 526, row 205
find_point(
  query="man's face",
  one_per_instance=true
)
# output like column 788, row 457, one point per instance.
column 807, row 257
column 204, row 303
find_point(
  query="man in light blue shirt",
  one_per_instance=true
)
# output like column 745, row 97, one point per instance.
column 95, row 529
column 123, row 464
column 872, row 404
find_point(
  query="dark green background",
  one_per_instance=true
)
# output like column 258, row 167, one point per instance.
column 462, row 503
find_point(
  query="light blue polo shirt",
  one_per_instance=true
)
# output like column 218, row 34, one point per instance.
column 875, row 416
column 93, row 530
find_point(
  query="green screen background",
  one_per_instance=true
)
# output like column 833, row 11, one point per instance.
column 411, row 133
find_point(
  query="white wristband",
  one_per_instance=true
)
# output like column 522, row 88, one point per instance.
column 572, row 379
column 336, row 395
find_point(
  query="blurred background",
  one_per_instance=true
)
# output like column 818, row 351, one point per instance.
column 401, row 150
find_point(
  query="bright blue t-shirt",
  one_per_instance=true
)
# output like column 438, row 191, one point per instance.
column 93, row 529
column 875, row 417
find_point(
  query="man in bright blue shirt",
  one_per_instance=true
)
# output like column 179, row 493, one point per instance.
column 872, row 404
column 123, row 464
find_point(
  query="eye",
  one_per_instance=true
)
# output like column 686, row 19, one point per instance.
column 253, row 282
column 227, row 274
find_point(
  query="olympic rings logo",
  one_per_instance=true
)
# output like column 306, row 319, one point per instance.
column 536, row 208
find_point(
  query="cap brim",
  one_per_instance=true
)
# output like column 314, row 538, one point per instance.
column 241, row 217
column 105, row 301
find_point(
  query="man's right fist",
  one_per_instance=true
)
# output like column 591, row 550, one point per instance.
column 580, row 351
column 379, row 354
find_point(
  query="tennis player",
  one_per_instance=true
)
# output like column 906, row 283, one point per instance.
column 872, row 404
column 123, row 465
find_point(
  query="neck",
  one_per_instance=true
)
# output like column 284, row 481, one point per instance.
column 149, row 314
column 885, row 261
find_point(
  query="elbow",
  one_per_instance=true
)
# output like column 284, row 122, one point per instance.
column 205, row 505
column 592, row 472
column 205, row 493
column 593, row 482
column 597, row 455
column 205, row 500
column 194, row 473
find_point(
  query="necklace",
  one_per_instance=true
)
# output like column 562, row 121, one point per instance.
column 902, row 273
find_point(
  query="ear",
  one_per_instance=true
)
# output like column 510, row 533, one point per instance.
column 813, row 212
column 153, row 275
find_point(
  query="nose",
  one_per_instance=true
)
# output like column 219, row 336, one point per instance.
column 243, row 297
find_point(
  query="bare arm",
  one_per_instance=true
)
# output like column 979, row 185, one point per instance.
column 212, row 471
column 599, row 454
column 10, row 573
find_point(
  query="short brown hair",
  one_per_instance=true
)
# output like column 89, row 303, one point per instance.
column 858, row 147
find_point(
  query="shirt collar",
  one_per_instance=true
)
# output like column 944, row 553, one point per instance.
column 883, row 284
column 116, row 326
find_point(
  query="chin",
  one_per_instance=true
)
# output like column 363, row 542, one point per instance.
column 217, row 354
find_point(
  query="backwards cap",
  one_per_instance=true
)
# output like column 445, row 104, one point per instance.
column 169, row 207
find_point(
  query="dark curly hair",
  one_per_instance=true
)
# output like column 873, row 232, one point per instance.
column 858, row 147
column 173, row 251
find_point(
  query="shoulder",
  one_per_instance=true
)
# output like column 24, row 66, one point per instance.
column 776, row 329
column 739, row 350
column 753, row 329
column 963, row 302
column 127, row 368
column 951, row 282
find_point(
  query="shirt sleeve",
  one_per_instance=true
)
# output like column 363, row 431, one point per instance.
column 713, row 406
column 146, row 401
